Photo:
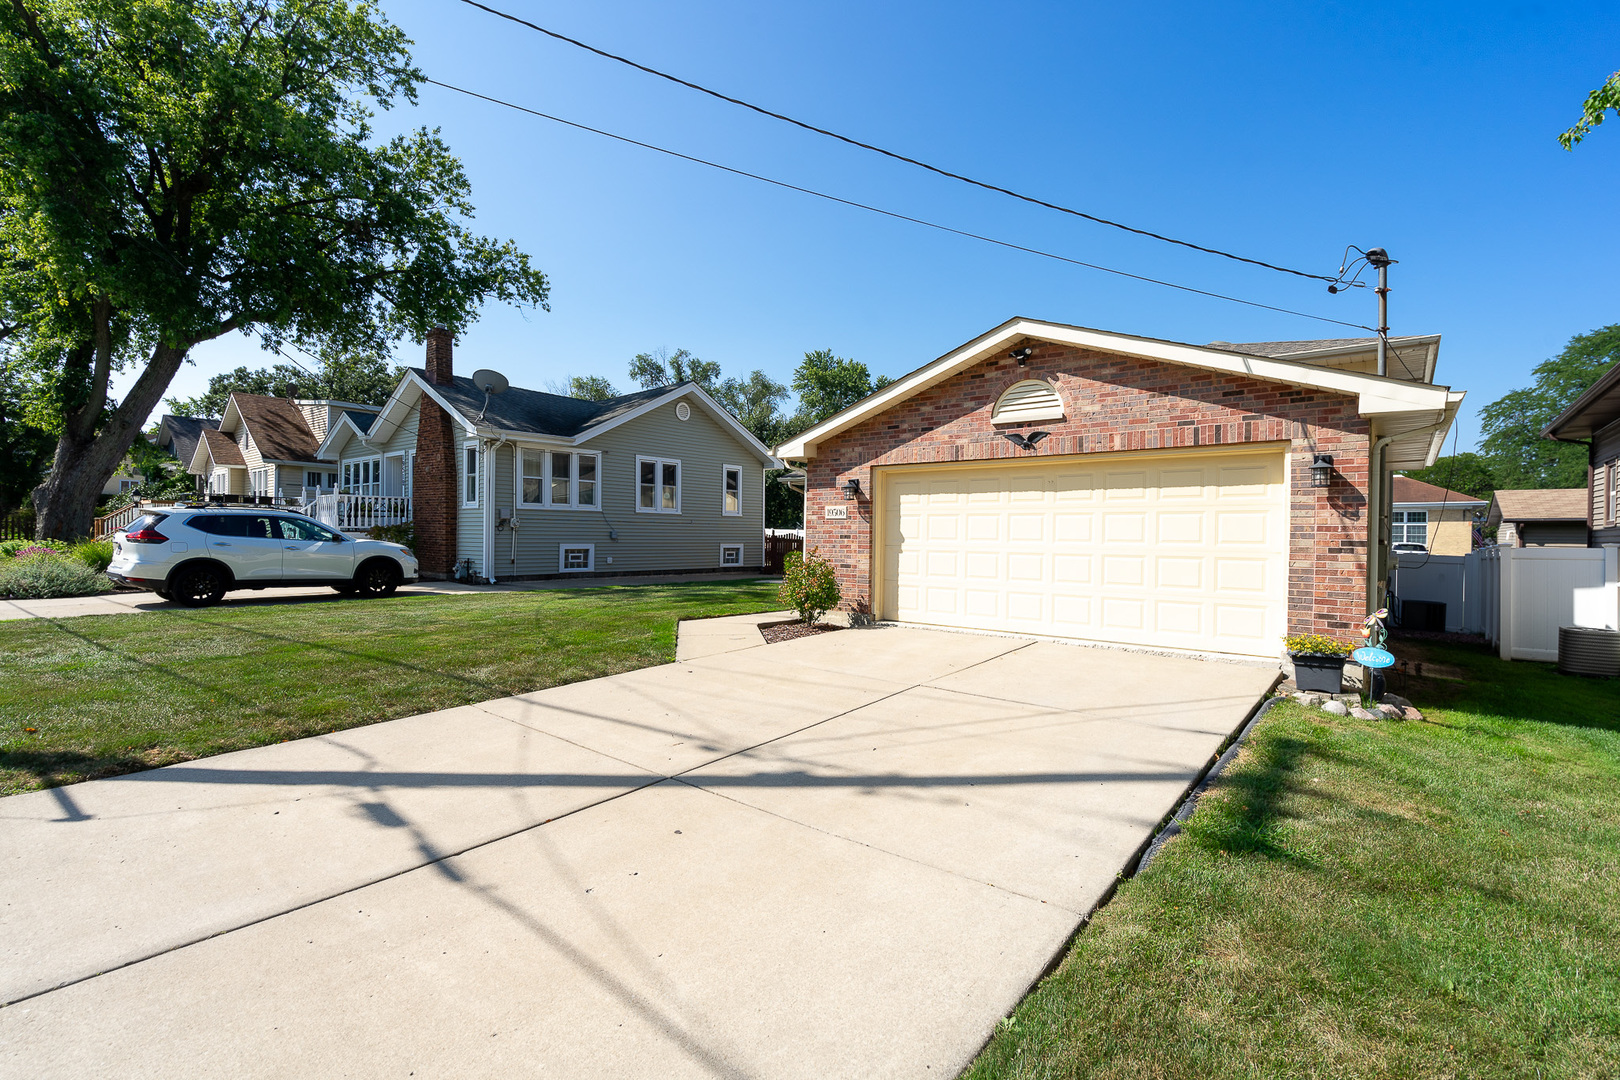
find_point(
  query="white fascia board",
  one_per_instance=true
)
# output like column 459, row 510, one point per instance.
column 714, row 408
column 1374, row 395
column 406, row 396
column 1438, row 505
column 202, row 459
column 332, row 445
column 233, row 416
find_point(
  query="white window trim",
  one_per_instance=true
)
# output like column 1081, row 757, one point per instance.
column 352, row 480
column 590, row 559
column 545, row 502
column 724, row 470
column 658, row 484
column 404, row 474
column 475, row 474
column 1405, row 519
column 727, row 547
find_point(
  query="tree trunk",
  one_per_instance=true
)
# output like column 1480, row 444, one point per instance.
column 65, row 504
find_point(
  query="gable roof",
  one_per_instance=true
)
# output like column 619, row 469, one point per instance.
column 1407, row 490
column 183, row 433
column 215, row 448
column 1416, row 414
column 277, row 425
column 535, row 416
column 1540, row 504
column 535, row 412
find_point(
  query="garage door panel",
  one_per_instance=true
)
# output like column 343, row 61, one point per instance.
column 1184, row 550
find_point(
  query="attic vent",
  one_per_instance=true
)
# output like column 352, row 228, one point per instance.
column 683, row 411
column 1029, row 400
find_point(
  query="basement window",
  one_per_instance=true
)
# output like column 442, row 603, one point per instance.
column 574, row 558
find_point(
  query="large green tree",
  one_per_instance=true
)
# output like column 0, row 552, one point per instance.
column 175, row 170
column 1512, row 424
column 663, row 368
column 1467, row 472
column 827, row 384
column 358, row 377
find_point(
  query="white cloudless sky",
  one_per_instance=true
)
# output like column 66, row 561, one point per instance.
column 1279, row 131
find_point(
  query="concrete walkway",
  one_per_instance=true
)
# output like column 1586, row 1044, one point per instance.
column 846, row 855
column 125, row 603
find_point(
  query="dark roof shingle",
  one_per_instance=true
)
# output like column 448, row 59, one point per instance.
column 536, row 412
column 278, row 427
column 222, row 449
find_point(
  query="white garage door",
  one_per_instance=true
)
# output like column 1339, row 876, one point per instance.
column 1174, row 550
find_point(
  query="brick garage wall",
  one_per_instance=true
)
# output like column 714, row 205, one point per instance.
column 1115, row 403
column 433, row 474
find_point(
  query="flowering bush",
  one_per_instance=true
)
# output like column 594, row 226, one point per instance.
column 33, row 549
column 45, row 575
column 1315, row 645
column 809, row 585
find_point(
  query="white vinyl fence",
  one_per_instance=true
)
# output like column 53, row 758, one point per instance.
column 1528, row 593
column 1517, row 597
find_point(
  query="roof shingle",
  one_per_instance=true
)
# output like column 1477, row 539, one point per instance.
column 536, row 412
column 278, row 427
column 1407, row 490
column 222, row 449
column 1543, row 504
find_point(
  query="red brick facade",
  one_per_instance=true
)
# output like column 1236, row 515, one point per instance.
column 1117, row 403
column 433, row 473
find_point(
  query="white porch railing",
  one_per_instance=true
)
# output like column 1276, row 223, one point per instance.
column 118, row 519
column 346, row 512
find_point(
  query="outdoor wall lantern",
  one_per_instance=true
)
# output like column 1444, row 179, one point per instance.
column 1022, row 355
column 852, row 489
column 1322, row 470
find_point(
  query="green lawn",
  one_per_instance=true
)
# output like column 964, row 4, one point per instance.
column 1368, row 899
column 101, row 695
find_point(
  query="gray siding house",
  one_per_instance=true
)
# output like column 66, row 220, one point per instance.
column 526, row 484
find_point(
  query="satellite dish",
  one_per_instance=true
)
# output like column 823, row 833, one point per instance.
column 490, row 382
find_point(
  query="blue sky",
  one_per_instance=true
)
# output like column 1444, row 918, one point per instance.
column 1279, row 131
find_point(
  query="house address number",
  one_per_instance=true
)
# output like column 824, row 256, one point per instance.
column 837, row 513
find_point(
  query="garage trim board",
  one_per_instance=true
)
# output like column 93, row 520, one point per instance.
column 1180, row 549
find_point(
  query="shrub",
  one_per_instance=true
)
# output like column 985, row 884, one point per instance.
column 96, row 554
column 809, row 585
column 1315, row 645
column 404, row 534
column 47, row 577
column 9, row 548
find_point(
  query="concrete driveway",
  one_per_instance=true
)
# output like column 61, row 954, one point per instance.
column 846, row 855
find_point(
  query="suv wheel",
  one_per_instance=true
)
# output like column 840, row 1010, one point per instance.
column 198, row 586
column 379, row 577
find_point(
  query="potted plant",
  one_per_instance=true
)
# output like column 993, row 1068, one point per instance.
column 1318, row 661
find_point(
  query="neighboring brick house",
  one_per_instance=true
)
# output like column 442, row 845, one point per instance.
column 1069, row 482
column 1539, row 517
column 1438, row 518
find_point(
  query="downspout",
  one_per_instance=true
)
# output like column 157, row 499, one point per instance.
column 489, row 447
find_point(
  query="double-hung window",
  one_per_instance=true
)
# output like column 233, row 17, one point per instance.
column 658, row 486
column 559, row 478
column 362, row 477
column 1409, row 527
column 1613, row 477
column 731, row 490
column 469, row 474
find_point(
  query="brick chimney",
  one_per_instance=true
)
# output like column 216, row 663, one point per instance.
column 440, row 350
column 433, row 473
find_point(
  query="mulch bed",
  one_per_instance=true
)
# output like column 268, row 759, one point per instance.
column 787, row 631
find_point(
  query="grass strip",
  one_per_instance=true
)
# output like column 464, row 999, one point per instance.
column 1368, row 899
column 101, row 695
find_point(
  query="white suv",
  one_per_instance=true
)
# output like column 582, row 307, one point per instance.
column 194, row 555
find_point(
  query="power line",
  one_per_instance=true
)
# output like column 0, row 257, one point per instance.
column 888, row 213
column 892, row 154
